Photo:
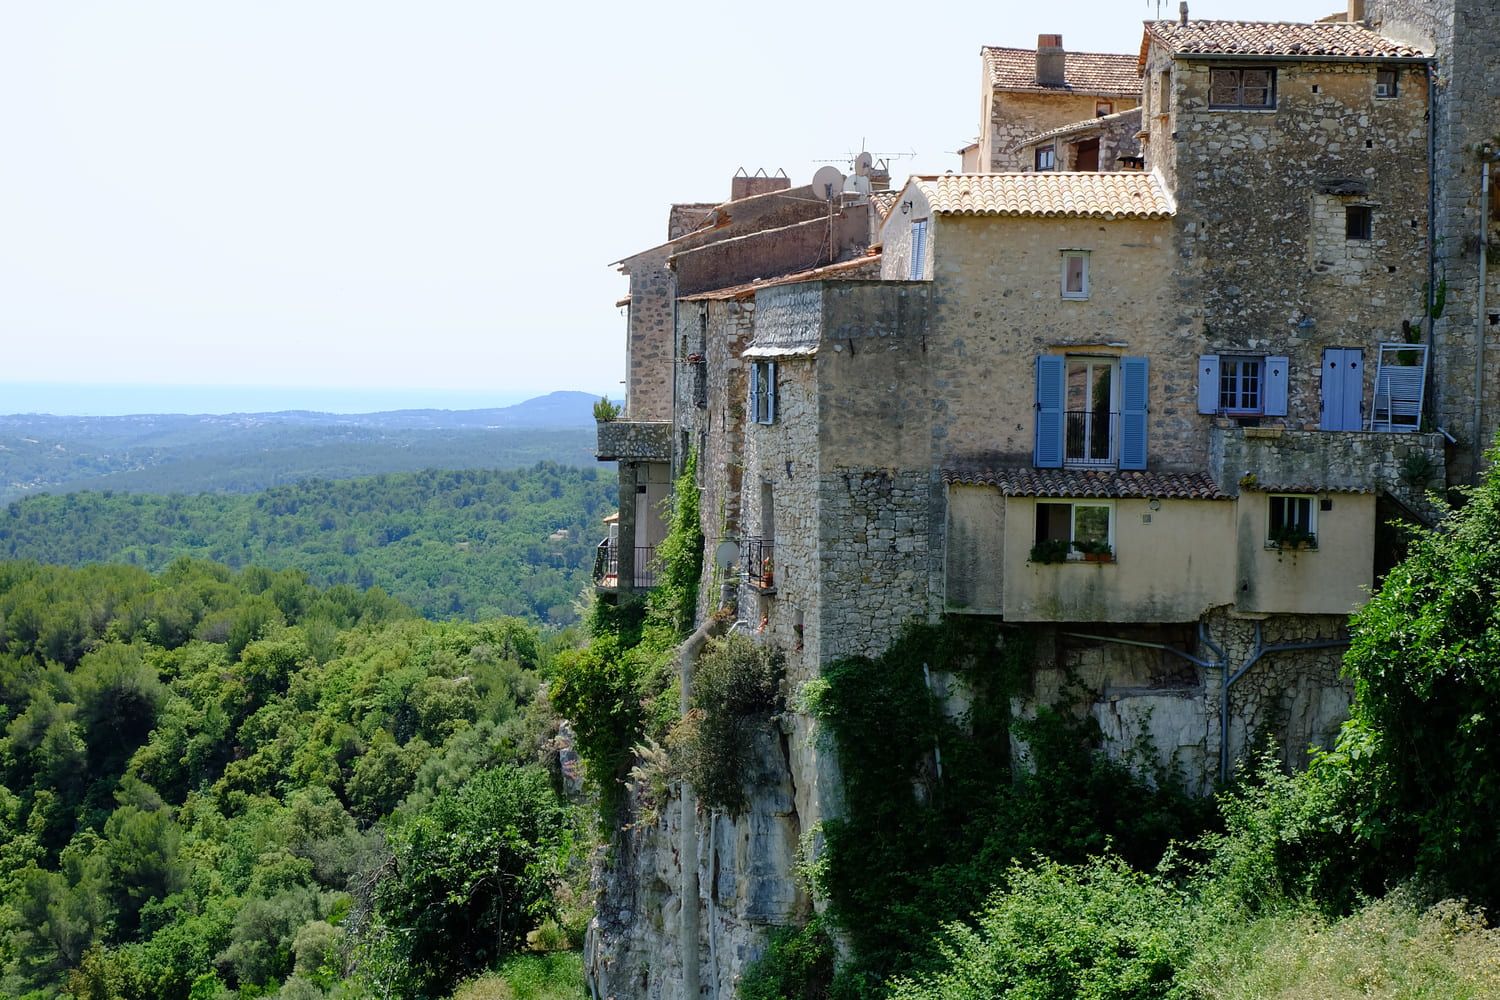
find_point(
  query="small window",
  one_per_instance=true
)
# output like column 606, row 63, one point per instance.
column 1164, row 92
column 1074, row 531
column 1102, row 108
column 1075, row 274
column 763, row 392
column 1242, row 88
column 1358, row 220
column 1241, row 384
column 1046, row 157
column 1293, row 522
column 1385, row 83
column 918, row 249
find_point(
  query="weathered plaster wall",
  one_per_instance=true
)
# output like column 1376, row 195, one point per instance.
column 895, row 236
column 1333, row 579
column 997, row 304
column 974, row 551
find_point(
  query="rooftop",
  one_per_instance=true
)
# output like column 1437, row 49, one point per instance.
column 1024, row 481
column 1120, row 195
column 858, row 267
column 1335, row 40
column 1103, row 73
column 1122, row 118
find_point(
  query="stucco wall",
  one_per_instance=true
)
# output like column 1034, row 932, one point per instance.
column 1332, row 579
column 1169, row 566
column 974, row 551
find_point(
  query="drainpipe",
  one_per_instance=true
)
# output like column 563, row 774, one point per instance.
column 1431, row 219
column 1259, row 650
column 1487, row 155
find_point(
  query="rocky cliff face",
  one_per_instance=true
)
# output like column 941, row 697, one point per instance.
column 744, row 887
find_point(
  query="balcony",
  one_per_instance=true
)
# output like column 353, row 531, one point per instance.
column 1091, row 441
column 634, row 441
column 760, row 564
column 607, row 567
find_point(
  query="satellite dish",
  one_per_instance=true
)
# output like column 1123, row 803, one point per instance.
column 726, row 554
column 862, row 163
column 827, row 183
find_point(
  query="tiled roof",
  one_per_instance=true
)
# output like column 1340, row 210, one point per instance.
column 1293, row 486
column 1122, row 118
column 1119, row 195
column 883, row 200
column 1024, row 481
column 1344, row 40
column 867, row 266
column 1103, row 73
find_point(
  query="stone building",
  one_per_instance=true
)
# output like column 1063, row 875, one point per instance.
column 1148, row 398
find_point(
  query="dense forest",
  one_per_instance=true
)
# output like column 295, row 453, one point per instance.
column 244, row 452
column 467, row 544
column 216, row 784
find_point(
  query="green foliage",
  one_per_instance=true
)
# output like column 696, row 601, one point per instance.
column 674, row 601
column 469, row 544
column 554, row 976
column 1050, row 550
column 605, row 411
column 1098, row 931
column 736, row 685
column 943, row 842
column 473, row 875
column 796, row 965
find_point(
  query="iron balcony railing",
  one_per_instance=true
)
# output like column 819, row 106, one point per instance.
column 607, row 566
column 1092, row 438
column 760, row 563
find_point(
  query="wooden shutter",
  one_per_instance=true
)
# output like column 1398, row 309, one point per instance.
column 1208, row 383
column 770, row 392
column 1343, row 384
column 1134, row 392
column 755, row 391
column 1050, row 397
column 1276, row 386
column 918, row 248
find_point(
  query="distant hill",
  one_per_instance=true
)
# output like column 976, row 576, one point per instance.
column 245, row 452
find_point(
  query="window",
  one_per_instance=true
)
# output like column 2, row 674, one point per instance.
column 1046, row 157
column 763, row 392
column 1074, row 531
column 1293, row 522
column 1102, row 108
column 1242, row 88
column 1241, row 383
column 1075, row 274
column 1164, row 92
column 1358, row 222
column 1092, row 411
column 1385, row 83
column 918, row 249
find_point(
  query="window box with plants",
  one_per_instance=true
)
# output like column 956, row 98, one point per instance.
column 1051, row 550
column 1292, row 540
column 1095, row 552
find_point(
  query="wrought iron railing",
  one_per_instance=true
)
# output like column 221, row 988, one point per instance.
column 607, row 566
column 1092, row 438
column 760, row 563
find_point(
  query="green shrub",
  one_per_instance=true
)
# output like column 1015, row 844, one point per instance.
column 796, row 965
column 557, row 975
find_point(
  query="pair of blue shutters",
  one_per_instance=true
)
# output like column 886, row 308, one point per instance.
column 1273, row 384
column 1052, row 418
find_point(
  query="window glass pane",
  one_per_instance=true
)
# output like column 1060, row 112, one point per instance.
column 1053, row 521
column 1078, row 386
column 1224, row 86
column 1075, row 275
column 1090, row 524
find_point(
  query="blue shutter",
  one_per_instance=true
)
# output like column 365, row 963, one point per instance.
column 770, row 392
column 1050, row 394
column 1208, row 383
column 918, row 248
column 1276, row 379
column 1354, row 389
column 755, row 392
column 1333, row 390
column 1134, row 391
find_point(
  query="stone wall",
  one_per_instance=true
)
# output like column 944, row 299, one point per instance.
column 625, row 440
column 1465, row 34
column 1015, row 116
column 648, row 336
column 1262, row 267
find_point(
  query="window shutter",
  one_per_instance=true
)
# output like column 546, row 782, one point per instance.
column 1276, row 380
column 1134, row 391
column 755, row 392
column 1050, row 396
column 770, row 392
column 1208, row 383
column 918, row 248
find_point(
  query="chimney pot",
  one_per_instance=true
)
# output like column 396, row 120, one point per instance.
column 1182, row 12
column 1051, row 61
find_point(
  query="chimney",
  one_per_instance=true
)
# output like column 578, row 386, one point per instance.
column 1182, row 12
column 743, row 185
column 1356, row 10
column 1051, row 61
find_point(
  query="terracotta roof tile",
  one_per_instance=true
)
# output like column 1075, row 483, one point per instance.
column 1346, row 40
column 883, row 200
column 1122, row 118
column 1119, row 195
column 1103, row 73
column 1023, row 481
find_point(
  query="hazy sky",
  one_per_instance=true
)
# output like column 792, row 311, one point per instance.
column 426, row 195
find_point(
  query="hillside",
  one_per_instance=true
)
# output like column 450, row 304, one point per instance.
column 457, row 544
column 244, row 452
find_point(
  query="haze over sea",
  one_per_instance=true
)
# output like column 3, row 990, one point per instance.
column 81, row 399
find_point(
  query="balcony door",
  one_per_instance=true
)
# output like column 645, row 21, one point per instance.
column 1092, row 406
